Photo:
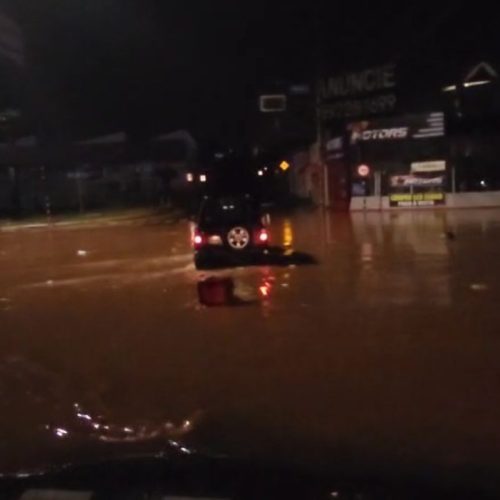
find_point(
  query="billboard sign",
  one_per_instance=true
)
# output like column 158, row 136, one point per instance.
column 363, row 93
column 417, row 191
column 419, row 126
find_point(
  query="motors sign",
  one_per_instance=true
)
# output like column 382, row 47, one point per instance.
column 421, row 126
column 363, row 93
column 382, row 134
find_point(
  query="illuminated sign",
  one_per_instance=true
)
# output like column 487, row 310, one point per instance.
column 381, row 134
column 419, row 126
column 417, row 200
column 428, row 166
column 411, row 180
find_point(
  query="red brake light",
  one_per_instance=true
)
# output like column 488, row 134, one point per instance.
column 197, row 239
column 264, row 236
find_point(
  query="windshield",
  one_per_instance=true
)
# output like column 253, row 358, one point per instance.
column 262, row 231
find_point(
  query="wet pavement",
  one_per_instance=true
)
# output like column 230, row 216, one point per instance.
column 385, row 352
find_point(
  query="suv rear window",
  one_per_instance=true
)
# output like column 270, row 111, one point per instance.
column 228, row 211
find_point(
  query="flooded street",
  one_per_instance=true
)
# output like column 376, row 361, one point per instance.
column 386, row 352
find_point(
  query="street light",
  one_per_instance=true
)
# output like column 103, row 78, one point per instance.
column 203, row 178
column 190, row 177
column 260, row 173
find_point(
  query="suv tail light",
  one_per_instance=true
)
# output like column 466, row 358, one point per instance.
column 197, row 239
column 263, row 236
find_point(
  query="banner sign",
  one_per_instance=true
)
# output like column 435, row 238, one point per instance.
column 417, row 190
column 417, row 199
column 421, row 126
column 411, row 180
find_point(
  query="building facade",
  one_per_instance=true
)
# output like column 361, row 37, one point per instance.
column 396, row 136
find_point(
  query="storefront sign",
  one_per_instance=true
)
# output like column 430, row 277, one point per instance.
column 382, row 134
column 335, row 148
column 417, row 200
column 416, row 190
column 411, row 180
column 422, row 126
column 428, row 166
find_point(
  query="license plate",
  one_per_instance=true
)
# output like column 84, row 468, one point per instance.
column 214, row 240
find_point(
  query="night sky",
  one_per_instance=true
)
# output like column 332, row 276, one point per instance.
column 151, row 66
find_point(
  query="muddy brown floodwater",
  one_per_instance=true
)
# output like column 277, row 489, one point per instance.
column 386, row 352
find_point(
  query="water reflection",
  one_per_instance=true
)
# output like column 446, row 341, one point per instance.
column 84, row 424
column 272, row 256
column 287, row 234
column 265, row 290
column 223, row 291
column 404, row 258
column 214, row 291
column 36, row 402
column 367, row 252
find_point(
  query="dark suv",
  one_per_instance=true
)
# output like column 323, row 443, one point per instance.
column 229, row 225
